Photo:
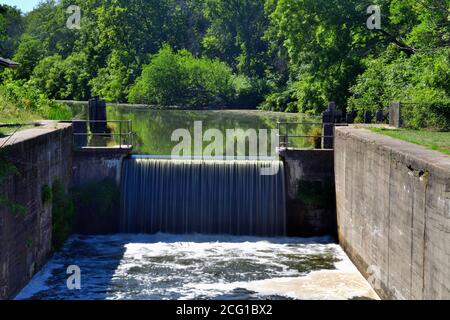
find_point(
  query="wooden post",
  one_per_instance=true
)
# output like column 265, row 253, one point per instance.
column 332, row 111
column 395, row 115
column 380, row 116
column 97, row 112
column 328, row 118
column 368, row 117
column 328, row 132
column 350, row 118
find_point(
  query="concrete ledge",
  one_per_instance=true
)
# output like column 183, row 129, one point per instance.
column 33, row 133
column 393, row 211
column 411, row 151
column 102, row 150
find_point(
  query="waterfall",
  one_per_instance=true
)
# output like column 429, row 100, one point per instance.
column 203, row 196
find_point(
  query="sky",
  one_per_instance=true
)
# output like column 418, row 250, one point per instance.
column 23, row 5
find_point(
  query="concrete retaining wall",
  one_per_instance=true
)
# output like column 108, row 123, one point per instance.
column 41, row 156
column 97, row 164
column 393, row 209
column 310, row 192
column 97, row 171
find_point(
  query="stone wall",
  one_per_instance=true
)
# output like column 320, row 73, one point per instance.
column 310, row 192
column 96, row 187
column 393, row 209
column 42, row 156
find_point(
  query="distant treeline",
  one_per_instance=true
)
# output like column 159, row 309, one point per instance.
column 285, row 55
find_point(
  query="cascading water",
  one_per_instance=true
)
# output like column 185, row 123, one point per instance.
column 203, row 196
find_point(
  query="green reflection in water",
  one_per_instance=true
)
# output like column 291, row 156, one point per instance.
column 154, row 128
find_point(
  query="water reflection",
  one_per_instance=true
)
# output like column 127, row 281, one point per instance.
column 153, row 128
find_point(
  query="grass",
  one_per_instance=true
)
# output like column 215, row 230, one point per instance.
column 438, row 141
column 11, row 112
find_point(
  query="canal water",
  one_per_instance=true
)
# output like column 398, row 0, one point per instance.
column 163, row 266
column 153, row 129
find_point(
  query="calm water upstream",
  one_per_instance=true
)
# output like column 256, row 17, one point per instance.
column 162, row 266
column 153, row 128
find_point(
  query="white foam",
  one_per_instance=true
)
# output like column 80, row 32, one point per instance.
column 164, row 266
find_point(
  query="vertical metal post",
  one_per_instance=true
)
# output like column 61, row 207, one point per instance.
column 120, row 134
column 130, row 133
column 279, row 135
column 287, row 135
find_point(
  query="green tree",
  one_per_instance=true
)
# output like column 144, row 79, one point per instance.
column 181, row 79
column 11, row 27
column 235, row 34
column 63, row 78
column 422, row 81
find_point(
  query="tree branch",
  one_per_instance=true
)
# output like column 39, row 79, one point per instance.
column 400, row 44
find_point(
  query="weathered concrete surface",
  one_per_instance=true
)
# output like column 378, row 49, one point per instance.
column 310, row 192
column 41, row 156
column 393, row 211
column 94, row 170
column 97, row 164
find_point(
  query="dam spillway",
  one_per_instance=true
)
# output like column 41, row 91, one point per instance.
column 232, row 197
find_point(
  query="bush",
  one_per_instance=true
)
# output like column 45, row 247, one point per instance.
column 21, row 101
column 249, row 92
column 280, row 101
column 181, row 79
column 422, row 80
column 63, row 79
column 112, row 82
column 316, row 137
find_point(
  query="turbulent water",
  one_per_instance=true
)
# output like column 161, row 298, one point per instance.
column 203, row 196
column 161, row 266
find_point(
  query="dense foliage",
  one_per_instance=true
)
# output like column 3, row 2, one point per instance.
column 21, row 102
column 422, row 82
column 286, row 55
column 180, row 79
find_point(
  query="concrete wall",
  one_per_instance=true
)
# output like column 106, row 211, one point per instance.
column 310, row 192
column 41, row 156
column 96, row 164
column 97, row 171
column 393, row 209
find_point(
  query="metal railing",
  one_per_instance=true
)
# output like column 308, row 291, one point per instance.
column 103, row 134
column 326, row 138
